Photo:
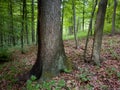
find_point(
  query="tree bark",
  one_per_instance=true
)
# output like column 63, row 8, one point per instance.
column 26, row 21
column 11, row 22
column 99, row 31
column 32, row 26
column 51, row 56
column 74, row 23
column 83, row 19
column 113, row 18
column 71, row 26
column 23, row 26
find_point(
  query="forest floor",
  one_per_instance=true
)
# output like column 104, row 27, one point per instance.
column 84, row 76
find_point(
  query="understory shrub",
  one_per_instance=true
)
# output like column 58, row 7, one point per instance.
column 5, row 54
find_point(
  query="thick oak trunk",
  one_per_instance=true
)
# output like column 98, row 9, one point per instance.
column 51, row 56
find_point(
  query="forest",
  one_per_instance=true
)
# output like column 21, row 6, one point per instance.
column 59, row 44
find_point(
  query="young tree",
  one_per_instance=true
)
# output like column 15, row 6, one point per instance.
column 51, row 56
column 26, row 22
column 32, row 23
column 74, row 23
column 99, row 31
column 83, row 19
column 11, row 22
column 90, row 28
column 113, row 18
column 23, row 25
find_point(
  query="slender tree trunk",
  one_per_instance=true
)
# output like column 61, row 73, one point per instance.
column 77, row 27
column 51, row 56
column 23, row 26
column 83, row 19
column 113, row 18
column 99, row 31
column 26, row 20
column 89, row 29
column 74, row 23
column 1, row 39
column 11, row 22
column 92, row 15
column 32, row 26
column 62, row 14
column 71, row 26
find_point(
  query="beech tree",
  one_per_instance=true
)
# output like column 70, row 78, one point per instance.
column 51, row 56
column 99, row 31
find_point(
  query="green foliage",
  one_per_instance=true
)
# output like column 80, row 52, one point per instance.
column 84, row 75
column 118, row 75
column 113, row 53
column 32, row 85
column 80, row 35
column 104, row 87
column 86, row 87
column 67, row 71
column 10, row 70
column 107, row 28
column 5, row 54
column 113, row 71
column 52, row 84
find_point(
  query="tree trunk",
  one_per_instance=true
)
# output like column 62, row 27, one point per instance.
column 71, row 26
column 83, row 19
column 74, row 23
column 51, row 56
column 11, row 22
column 89, row 30
column 26, row 20
column 1, row 39
column 113, row 18
column 32, row 26
column 99, row 31
column 23, row 26
column 62, row 13
column 78, row 23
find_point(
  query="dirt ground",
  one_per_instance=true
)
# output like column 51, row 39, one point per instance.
column 84, row 76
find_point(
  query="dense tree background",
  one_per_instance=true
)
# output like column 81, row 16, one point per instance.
column 19, row 18
column 18, row 22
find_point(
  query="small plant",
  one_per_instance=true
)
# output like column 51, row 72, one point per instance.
column 47, row 85
column 84, row 76
column 60, row 84
column 104, row 87
column 113, row 71
column 86, row 87
column 118, row 75
column 114, row 54
column 52, row 84
column 31, row 85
